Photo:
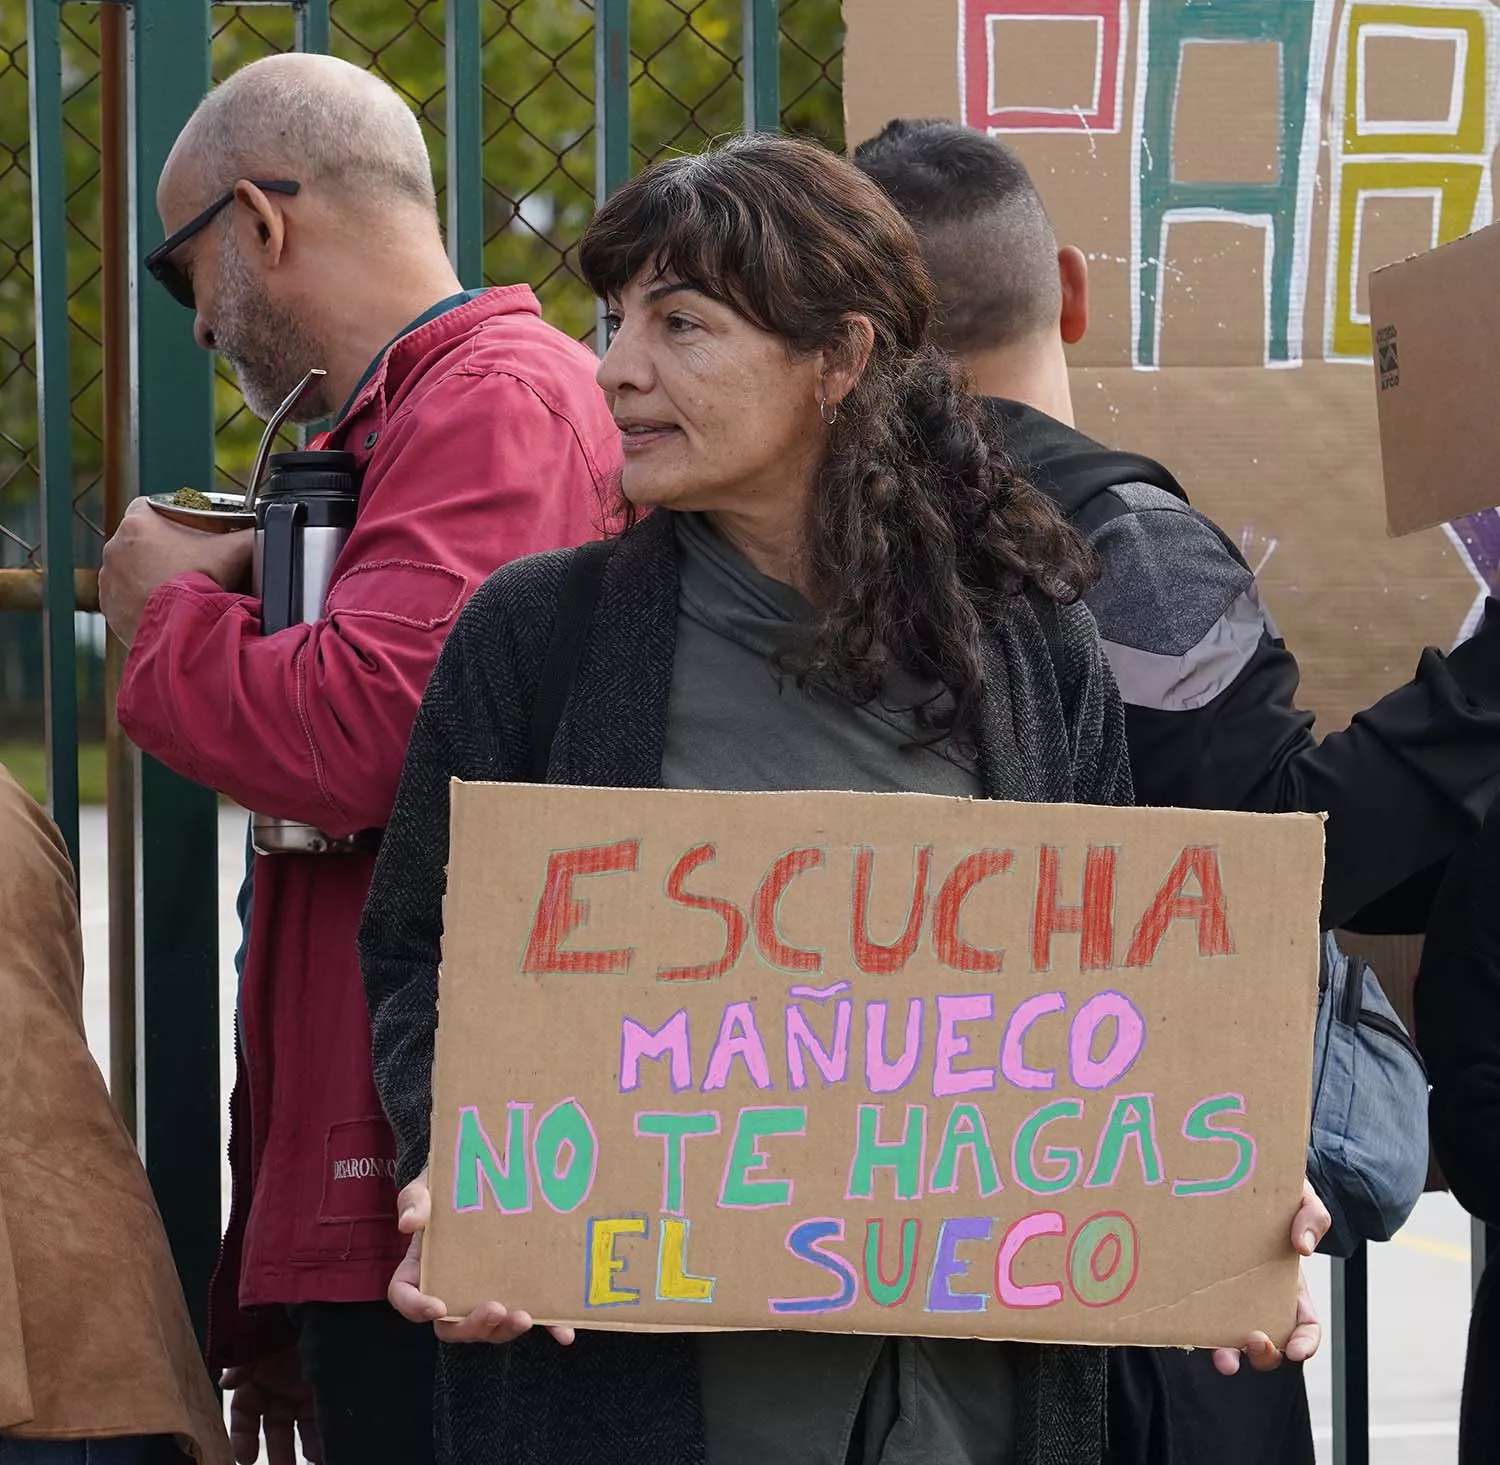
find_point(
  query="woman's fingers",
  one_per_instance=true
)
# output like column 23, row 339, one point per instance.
column 414, row 1206
column 493, row 1322
column 1307, row 1336
column 1263, row 1354
column 1259, row 1349
column 413, row 1212
column 1227, row 1361
column 405, row 1292
column 490, row 1322
column 1310, row 1224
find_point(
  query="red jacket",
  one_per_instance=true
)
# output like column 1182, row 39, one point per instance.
column 481, row 437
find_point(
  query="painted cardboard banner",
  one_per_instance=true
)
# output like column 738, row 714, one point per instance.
column 873, row 1063
column 1234, row 170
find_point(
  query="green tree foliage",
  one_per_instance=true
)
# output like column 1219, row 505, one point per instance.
column 539, row 154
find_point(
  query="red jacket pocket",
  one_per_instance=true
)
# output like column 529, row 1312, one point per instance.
column 359, row 1172
column 420, row 595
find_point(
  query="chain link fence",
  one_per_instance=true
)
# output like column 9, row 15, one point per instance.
column 539, row 165
column 20, row 484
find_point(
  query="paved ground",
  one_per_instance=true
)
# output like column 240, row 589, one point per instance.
column 1419, row 1282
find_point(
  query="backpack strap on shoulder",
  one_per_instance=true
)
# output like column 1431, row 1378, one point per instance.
column 575, row 609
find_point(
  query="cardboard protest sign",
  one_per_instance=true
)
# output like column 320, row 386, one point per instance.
column 1437, row 332
column 1234, row 171
column 873, row 1063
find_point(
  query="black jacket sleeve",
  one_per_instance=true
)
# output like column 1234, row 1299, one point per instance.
column 1405, row 785
column 471, row 725
column 1458, row 1023
column 1210, row 694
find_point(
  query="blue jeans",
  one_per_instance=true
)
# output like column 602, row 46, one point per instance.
column 72, row 1452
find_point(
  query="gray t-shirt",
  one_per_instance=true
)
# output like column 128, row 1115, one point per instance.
column 816, row 1398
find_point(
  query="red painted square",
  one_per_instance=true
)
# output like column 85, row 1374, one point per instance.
column 979, row 81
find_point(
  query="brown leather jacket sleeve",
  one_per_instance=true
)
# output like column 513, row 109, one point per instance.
column 94, row 1333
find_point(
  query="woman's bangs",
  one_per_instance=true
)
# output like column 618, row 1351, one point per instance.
column 670, row 233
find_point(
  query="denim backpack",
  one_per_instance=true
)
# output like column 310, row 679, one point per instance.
column 1367, row 1153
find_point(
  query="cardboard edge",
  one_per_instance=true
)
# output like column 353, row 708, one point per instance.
column 1150, row 812
column 454, row 805
column 1397, row 527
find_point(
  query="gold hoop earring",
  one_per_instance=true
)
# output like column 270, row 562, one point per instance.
column 828, row 411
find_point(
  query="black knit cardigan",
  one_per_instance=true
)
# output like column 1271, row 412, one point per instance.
column 1052, row 730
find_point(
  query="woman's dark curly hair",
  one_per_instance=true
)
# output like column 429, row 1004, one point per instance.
column 921, row 533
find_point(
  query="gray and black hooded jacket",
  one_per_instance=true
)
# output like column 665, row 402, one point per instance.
column 1209, row 690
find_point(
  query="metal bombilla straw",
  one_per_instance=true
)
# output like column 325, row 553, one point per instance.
column 273, row 426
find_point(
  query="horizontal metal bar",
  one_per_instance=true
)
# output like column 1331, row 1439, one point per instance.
column 25, row 590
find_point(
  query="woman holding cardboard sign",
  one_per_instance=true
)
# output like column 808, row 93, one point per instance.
column 842, row 585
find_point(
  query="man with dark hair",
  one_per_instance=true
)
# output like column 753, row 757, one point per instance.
column 985, row 234
column 1209, row 686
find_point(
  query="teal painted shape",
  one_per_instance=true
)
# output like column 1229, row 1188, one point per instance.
column 1287, row 23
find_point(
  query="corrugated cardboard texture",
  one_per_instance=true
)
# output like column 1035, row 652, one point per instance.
column 1058, row 1160
column 1234, row 171
column 1437, row 324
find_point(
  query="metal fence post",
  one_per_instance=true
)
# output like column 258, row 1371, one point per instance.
column 611, row 109
column 1351, row 1359
column 310, row 25
column 611, row 96
column 54, row 407
column 465, row 107
column 178, row 948
column 114, row 191
column 1484, row 1242
column 762, row 67
column 311, row 31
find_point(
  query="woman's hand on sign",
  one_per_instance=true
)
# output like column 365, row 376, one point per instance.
column 1309, row 1227
column 490, row 1322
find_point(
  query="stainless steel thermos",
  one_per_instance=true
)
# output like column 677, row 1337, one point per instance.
column 303, row 515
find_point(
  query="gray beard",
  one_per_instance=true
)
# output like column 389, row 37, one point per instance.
column 269, row 350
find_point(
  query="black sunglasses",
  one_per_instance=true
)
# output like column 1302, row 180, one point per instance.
column 159, row 261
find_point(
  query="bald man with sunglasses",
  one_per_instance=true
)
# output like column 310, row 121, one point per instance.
column 301, row 229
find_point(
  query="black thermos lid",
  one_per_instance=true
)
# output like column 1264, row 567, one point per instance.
column 308, row 472
column 326, row 484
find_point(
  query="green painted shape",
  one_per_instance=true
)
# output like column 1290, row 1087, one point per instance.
column 1025, row 1163
column 510, row 1184
column 1172, row 23
column 1130, row 1116
column 903, row 1155
column 566, row 1124
column 742, row 1190
column 883, row 1293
